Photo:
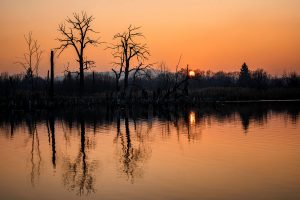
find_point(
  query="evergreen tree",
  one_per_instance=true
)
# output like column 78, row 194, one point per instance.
column 244, row 77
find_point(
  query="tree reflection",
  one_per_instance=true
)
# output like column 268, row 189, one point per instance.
column 186, row 123
column 245, row 119
column 12, row 125
column 79, row 173
column 35, row 153
column 258, row 114
column 51, row 137
column 134, row 152
column 134, row 134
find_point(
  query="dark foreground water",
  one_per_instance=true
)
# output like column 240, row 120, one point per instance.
column 222, row 152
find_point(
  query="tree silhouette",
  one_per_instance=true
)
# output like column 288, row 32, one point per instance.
column 244, row 76
column 259, row 78
column 127, row 50
column 118, row 73
column 31, row 58
column 77, row 35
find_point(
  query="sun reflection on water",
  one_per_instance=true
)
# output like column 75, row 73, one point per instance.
column 192, row 118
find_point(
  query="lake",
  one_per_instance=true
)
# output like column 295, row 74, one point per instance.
column 245, row 151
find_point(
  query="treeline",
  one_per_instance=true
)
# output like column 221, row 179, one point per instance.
column 156, row 81
column 258, row 79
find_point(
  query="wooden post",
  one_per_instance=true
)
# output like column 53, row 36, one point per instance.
column 51, row 91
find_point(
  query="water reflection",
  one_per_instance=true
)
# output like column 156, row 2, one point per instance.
column 35, row 153
column 192, row 117
column 132, row 155
column 133, row 130
column 51, row 137
column 78, row 172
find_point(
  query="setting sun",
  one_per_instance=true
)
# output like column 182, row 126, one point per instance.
column 191, row 73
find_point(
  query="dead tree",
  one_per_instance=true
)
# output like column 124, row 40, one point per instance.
column 118, row 73
column 128, row 50
column 140, row 71
column 173, row 83
column 31, row 58
column 77, row 35
column 184, row 77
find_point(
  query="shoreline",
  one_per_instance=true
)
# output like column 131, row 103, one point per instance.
column 70, row 103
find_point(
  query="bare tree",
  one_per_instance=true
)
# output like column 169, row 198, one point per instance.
column 32, row 57
column 128, row 50
column 77, row 35
column 118, row 73
column 173, row 82
column 139, row 72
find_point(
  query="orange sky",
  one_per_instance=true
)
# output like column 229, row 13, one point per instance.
column 210, row 34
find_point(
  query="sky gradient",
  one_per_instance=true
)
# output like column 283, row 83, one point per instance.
column 214, row 34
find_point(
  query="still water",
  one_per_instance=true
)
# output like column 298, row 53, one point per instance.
column 223, row 152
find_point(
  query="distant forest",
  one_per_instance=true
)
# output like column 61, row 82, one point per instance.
column 132, row 78
column 159, row 84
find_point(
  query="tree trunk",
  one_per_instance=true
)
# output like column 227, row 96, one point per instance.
column 126, row 81
column 117, row 84
column 81, row 77
column 126, row 76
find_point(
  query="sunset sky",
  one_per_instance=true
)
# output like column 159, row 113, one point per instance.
column 210, row 34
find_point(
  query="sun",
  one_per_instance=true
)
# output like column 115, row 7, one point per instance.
column 192, row 73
